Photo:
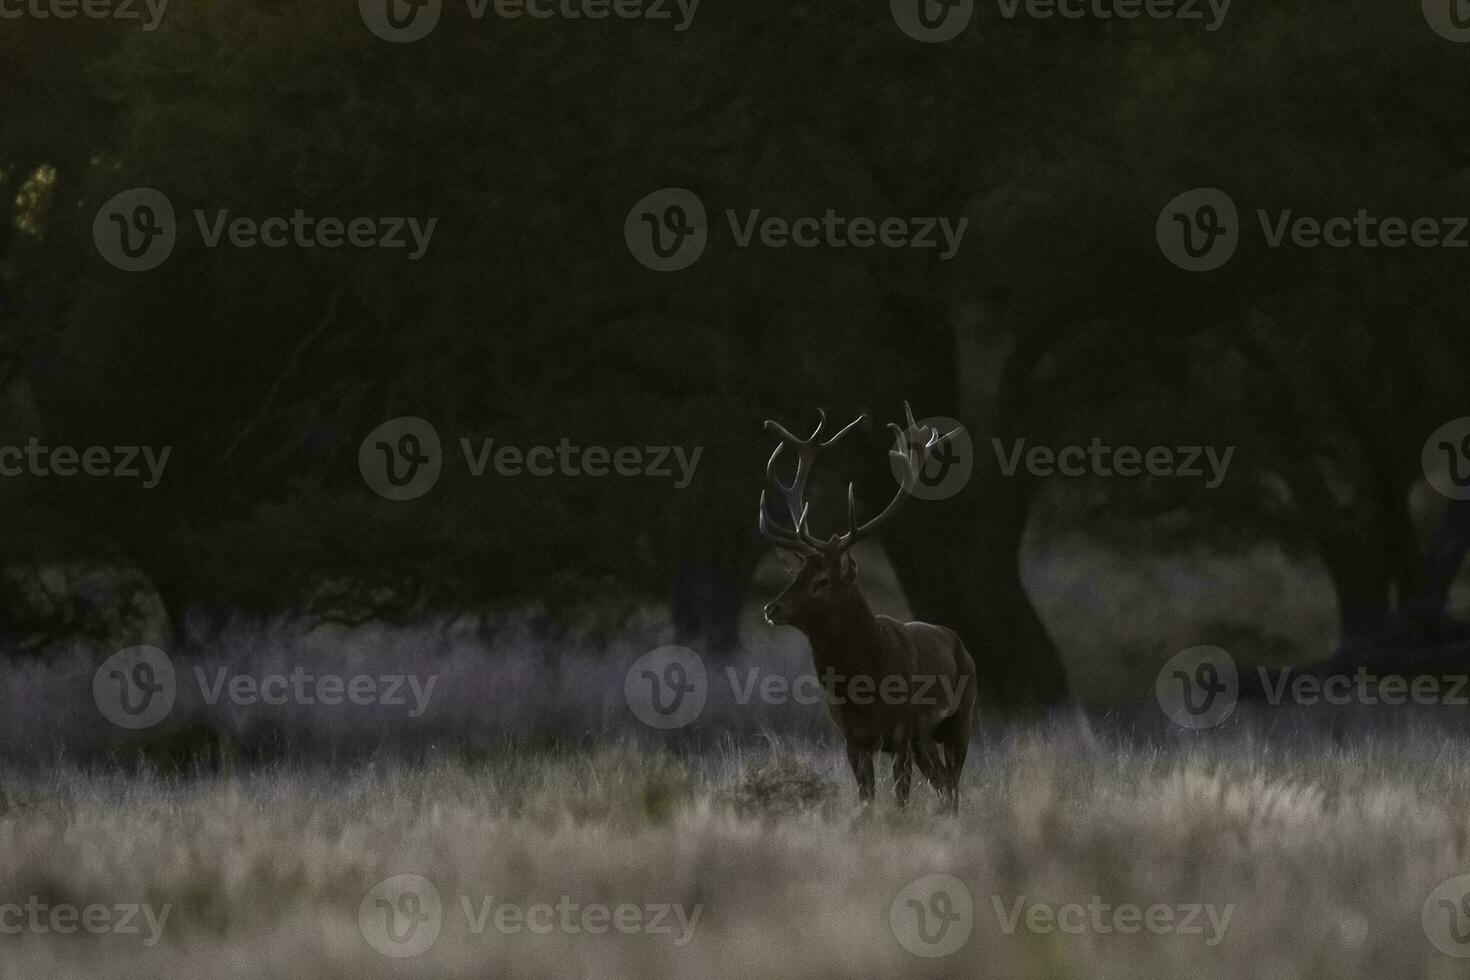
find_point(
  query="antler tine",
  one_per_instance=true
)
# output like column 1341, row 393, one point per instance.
column 780, row 536
column 908, row 415
column 845, row 430
column 794, row 493
column 785, row 435
column 913, row 461
column 833, row 544
column 850, row 537
column 790, row 495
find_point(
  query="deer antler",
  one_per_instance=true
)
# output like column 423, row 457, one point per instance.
column 913, row 458
column 796, row 537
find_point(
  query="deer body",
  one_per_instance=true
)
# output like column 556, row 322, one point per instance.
column 907, row 689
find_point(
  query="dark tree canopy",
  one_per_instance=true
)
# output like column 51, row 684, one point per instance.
column 528, row 321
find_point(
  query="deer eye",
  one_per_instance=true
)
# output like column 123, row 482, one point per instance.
column 820, row 585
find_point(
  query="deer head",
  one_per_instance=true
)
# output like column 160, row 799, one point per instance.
column 827, row 575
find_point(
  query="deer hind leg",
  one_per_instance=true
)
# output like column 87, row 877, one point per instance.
column 956, row 747
column 953, row 735
column 929, row 755
column 954, row 755
column 861, row 761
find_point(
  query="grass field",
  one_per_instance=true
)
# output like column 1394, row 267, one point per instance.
column 525, row 824
column 1079, row 853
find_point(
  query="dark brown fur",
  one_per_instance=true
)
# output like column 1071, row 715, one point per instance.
column 926, row 716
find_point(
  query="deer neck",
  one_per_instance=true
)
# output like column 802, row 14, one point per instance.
column 848, row 638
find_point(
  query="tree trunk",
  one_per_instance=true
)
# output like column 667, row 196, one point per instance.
column 960, row 566
column 706, row 605
column 959, row 560
column 1446, row 557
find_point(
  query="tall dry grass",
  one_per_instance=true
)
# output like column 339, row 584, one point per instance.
column 1324, row 855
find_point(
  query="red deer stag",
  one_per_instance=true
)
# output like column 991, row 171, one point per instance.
column 903, row 688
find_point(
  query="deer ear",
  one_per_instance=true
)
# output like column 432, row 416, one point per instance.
column 849, row 568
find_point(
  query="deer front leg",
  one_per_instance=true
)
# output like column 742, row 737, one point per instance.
column 861, row 761
column 903, row 757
